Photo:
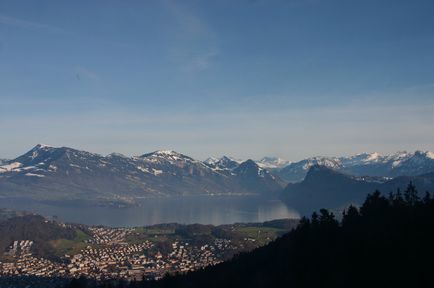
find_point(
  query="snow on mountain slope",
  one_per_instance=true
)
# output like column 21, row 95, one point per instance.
column 223, row 163
column 61, row 173
column 272, row 162
column 49, row 173
column 365, row 164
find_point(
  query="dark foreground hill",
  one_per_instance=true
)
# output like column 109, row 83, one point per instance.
column 385, row 243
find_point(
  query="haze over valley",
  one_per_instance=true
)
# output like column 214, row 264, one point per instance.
column 165, row 186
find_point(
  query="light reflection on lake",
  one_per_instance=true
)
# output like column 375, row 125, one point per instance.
column 186, row 210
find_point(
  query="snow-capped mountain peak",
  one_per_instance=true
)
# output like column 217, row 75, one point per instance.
column 166, row 152
column 114, row 154
column 43, row 146
column 211, row 160
column 167, row 155
column 223, row 163
column 430, row 154
column 272, row 162
column 366, row 164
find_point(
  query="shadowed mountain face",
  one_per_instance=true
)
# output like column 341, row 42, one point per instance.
column 366, row 164
column 254, row 178
column 325, row 187
column 58, row 174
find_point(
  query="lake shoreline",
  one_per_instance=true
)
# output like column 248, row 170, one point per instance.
column 214, row 210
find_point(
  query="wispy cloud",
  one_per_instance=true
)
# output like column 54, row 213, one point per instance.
column 199, row 62
column 29, row 25
column 85, row 73
column 195, row 47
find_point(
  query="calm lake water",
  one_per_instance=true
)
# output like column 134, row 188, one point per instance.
column 186, row 210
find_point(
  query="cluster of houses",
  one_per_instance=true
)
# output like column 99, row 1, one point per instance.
column 104, row 235
column 24, row 263
column 109, row 256
column 20, row 247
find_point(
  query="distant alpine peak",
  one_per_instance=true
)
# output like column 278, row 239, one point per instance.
column 211, row 160
column 426, row 154
column 222, row 163
column 272, row 162
column 248, row 165
column 167, row 155
column 42, row 146
column 368, row 156
column 114, row 154
column 228, row 158
column 332, row 162
column 166, row 152
column 430, row 155
column 362, row 158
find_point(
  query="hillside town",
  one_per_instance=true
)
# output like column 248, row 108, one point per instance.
column 108, row 255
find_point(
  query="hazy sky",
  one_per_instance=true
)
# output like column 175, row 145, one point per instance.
column 290, row 78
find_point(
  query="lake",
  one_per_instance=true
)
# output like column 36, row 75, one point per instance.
column 214, row 210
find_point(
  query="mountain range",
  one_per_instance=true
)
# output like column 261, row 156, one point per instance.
column 48, row 173
column 62, row 173
column 365, row 164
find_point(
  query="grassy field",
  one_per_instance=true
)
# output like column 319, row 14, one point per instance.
column 154, row 234
column 262, row 235
column 65, row 246
column 249, row 236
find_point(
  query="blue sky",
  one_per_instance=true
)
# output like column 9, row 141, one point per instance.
column 291, row 78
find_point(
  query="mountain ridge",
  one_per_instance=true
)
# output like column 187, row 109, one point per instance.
column 63, row 173
column 326, row 187
column 364, row 164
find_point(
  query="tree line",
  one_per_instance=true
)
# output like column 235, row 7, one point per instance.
column 388, row 241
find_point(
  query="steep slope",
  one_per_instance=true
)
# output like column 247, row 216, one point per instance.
column 182, row 175
column 48, row 173
column 325, row 187
column 295, row 172
column 66, row 174
column 255, row 178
